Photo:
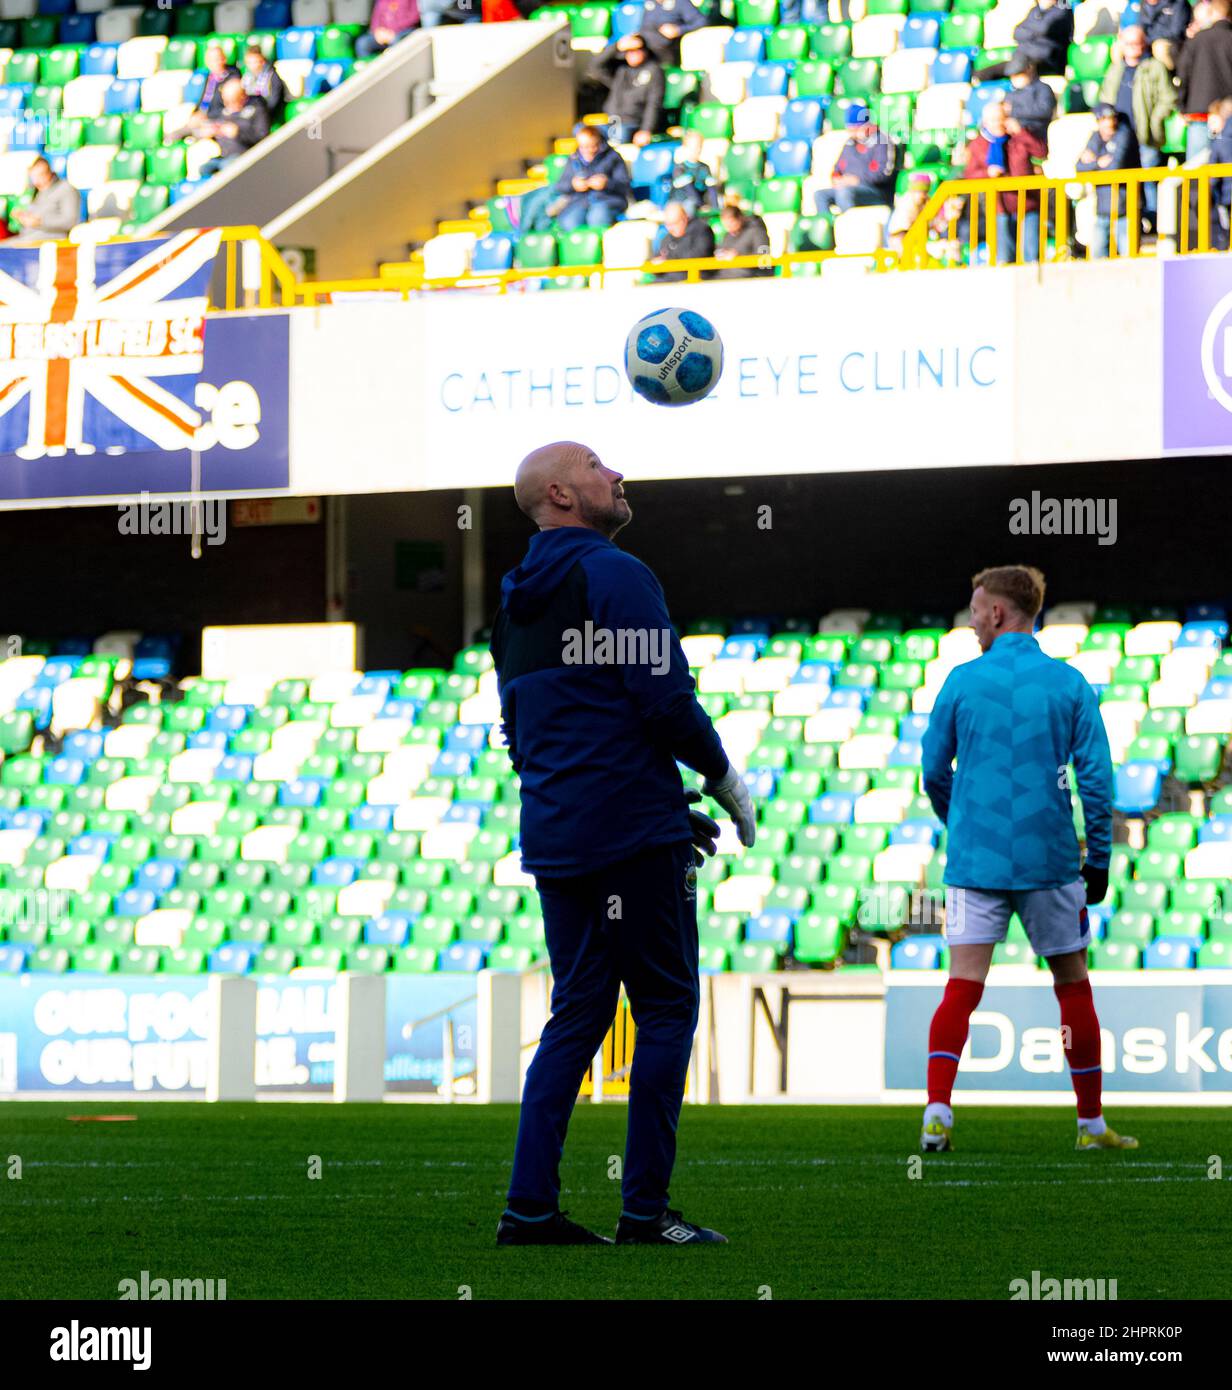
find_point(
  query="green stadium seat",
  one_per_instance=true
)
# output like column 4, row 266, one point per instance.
column 753, row 958
column 832, row 41
column 1090, row 59
column 713, row 120
column 788, row 44
column 813, row 77
column 819, row 939
column 1198, row 758
column 1115, row 955
column 143, row 130
column 48, row 960
column 415, row 960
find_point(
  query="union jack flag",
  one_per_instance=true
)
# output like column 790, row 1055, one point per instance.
column 101, row 346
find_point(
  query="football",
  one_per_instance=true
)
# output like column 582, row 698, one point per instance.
column 673, row 357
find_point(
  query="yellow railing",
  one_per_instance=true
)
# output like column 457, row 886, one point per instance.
column 923, row 247
column 252, row 274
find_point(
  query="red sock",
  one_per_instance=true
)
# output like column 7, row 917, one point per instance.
column 1085, row 1070
column 947, row 1035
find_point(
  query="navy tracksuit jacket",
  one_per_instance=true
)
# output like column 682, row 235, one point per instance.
column 605, row 831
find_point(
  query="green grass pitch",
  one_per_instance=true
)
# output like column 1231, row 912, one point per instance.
column 818, row 1202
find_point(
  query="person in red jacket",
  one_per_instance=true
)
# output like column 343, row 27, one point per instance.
column 391, row 20
column 1005, row 149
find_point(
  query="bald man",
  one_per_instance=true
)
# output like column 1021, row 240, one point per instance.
column 598, row 707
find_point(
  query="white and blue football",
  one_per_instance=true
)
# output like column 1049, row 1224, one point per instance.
column 674, row 357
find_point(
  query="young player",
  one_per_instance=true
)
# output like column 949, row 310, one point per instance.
column 1016, row 719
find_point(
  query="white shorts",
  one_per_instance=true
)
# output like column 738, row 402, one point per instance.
column 1055, row 918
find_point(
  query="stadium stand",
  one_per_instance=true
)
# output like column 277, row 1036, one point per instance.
column 102, row 90
column 369, row 821
column 769, row 99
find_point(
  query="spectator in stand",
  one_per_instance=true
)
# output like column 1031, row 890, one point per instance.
column 865, row 171
column 1031, row 103
column 1141, row 88
column 1044, row 37
column 1113, row 146
column 217, row 71
column 1164, row 23
column 244, row 122
column 593, row 188
column 997, row 152
column 685, row 238
column 54, row 210
column 907, row 208
column 391, row 20
column 261, row 80
column 744, row 234
column 635, row 85
column 663, row 24
column 691, row 182
column 1204, row 72
column 1219, row 124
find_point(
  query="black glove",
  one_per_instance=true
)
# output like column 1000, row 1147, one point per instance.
column 1097, row 883
column 703, row 831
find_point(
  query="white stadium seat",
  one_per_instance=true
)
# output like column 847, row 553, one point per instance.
column 140, row 57
column 113, row 198
column 90, row 166
column 119, row 25
column 84, row 96
column 15, row 171
column 701, row 50
column 906, row 70
column 876, row 36
column 18, row 9
column 352, row 12
column 294, row 73
column 235, row 17
column 201, row 152
column 306, row 13
column 860, row 230
column 447, row 256
column 163, row 91
column 727, row 82
column 757, row 118
column 943, row 107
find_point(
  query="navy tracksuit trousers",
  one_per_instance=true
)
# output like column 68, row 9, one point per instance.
column 633, row 922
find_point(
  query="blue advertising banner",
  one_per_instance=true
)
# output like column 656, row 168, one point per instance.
column 82, row 1033
column 1171, row 1035
column 237, row 403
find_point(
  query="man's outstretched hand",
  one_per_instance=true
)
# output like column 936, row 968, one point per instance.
column 731, row 793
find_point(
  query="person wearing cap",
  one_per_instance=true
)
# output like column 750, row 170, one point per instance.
column 1113, row 146
column 1031, row 104
column 1044, row 37
column 1141, row 88
column 635, row 88
column 864, row 173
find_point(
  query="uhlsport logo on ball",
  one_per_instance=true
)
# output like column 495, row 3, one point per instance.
column 674, row 357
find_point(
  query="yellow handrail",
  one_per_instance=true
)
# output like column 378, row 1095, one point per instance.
column 985, row 198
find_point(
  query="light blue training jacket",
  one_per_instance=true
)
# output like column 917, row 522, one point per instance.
column 1015, row 718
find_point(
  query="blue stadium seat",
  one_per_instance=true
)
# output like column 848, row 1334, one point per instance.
column 28, row 134
column 787, row 159
column 64, row 772
column 99, row 60
column 760, row 782
column 184, row 189
column 462, row 958
column 774, row 926
column 326, row 75
column 297, row 43
column 14, row 96
column 1169, row 953
column 467, row 738
column 30, row 818
column 56, row 7
column 1217, row 828
column 913, row 832
column 835, row 808
column 38, row 698
column 982, row 95
column 626, row 20
column 745, row 46
column 194, row 88
column 1136, row 788
column 134, row 902
column 12, row 959
column 272, row 14
column 96, row 844
column 921, row 31
column 769, row 80
column 918, row 953
column 122, row 97
column 214, row 739
column 390, row 929
column 233, row 958
column 747, row 647
column 452, row 765
column 906, row 754
column 77, row 28
column 235, row 767
column 951, row 65
column 157, row 875
column 913, row 727
column 652, row 164
column 802, row 118
column 302, row 791
column 335, row 873
column 85, row 743
column 376, row 818
column 1205, row 633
